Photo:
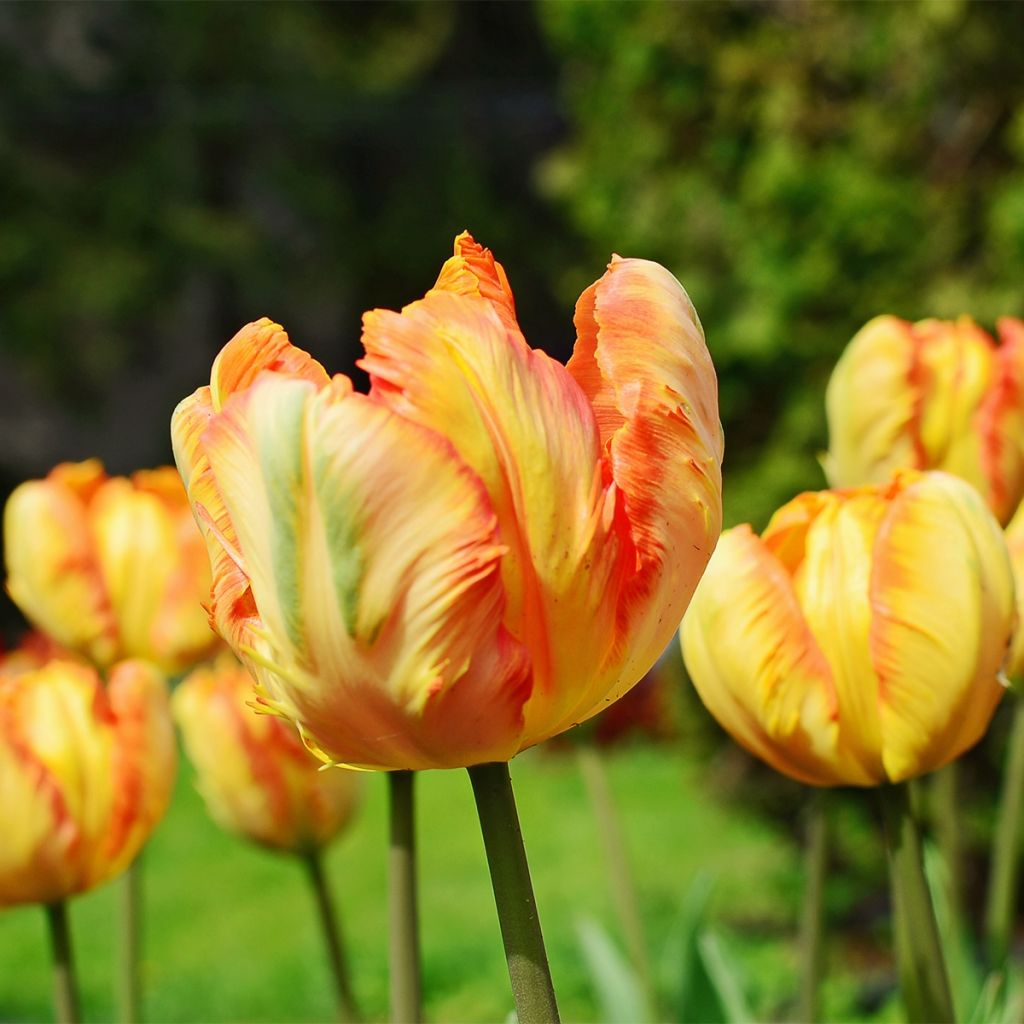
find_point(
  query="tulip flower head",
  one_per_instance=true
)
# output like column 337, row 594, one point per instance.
column 860, row 639
column 255, row 774
column 111, row 568
column 86, row 773
column 931, row 395
column 487, row 548
column 1014, row 534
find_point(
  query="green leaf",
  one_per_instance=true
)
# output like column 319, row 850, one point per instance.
column 619, row 992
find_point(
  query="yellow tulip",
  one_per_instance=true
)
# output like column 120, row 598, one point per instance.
column 931, row 395
column 111, row 568
column 254, row 773
column 489, row 547
column 86, row 772
column 861, row 637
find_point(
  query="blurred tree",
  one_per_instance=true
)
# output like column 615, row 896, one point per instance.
column 170, row 171
column 801, row 167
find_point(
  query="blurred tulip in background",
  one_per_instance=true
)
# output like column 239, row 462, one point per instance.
column 86, row 773
column 860, row 639
column 257, row 778
column 110, row 567
column 932, row 395
column 488, row 548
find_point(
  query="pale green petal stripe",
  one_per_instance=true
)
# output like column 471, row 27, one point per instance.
column 340, row 507
column 278, row 436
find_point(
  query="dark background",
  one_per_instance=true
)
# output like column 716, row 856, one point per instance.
column 169, row 172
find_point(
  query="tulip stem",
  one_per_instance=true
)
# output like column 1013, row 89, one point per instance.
column 623, row 891
column 65, row 993
column 528, row 970
column 946, row 793
column 348, row 1011
column 129, row 994
column 406, row 986
column 812, row 915
column 923, row 978
column 1002, row 890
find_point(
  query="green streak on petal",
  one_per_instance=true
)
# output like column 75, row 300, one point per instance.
column 344, row 541
column 279, row 445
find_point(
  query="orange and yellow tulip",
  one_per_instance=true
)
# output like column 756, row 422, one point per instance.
column 931, row 395
column 487, row 548
column 111, row 568
column 86, row 772
column 860, row 639
column 257, row 778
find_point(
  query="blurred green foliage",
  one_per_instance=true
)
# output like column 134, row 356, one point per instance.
column 802, row 167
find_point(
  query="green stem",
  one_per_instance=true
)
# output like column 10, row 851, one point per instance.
column 129, row 986
column 1002, row 890
column 923, row 978
column 812, row 915
column 946, row 815
column 406, row 987
column 528, row 969
column 348, row 1011
column 65, row 994
column 623, row 891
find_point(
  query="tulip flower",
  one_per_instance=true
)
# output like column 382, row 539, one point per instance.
column 257, row 778
column 486, row 549
column 112, row 568
column 87, row 774
column 259, row 781
column 860, row 641
column 874, row 624
column 931, row 395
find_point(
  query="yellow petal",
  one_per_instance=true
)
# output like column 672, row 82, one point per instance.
column 943, row 601
column 758, row 668
column 52, row 571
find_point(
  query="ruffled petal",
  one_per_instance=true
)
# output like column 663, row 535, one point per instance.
column 941, row 621
column 759, row 669
column 374, row 566
column 641, row 360
column 473, row 270
column 259, row 347
column 517, row 418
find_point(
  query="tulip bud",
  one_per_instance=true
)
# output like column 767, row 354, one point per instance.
column 86, row 773
column 931, row 395
column 485, row 550
column 860, row 639
column 257, row 778
column 111, row 568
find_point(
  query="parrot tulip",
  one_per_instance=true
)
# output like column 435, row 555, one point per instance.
column 111, row 568
column 256, row 777
column 86, row 772
column 486, row 549
column 860, row 639
column 931, row 395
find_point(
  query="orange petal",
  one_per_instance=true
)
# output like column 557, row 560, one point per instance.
column 641, row 360
column 258, row 347
column 517, row 418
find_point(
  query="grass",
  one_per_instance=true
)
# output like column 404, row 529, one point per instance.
column 230, row 931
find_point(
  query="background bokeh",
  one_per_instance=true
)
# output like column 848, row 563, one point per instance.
column 171, row 171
